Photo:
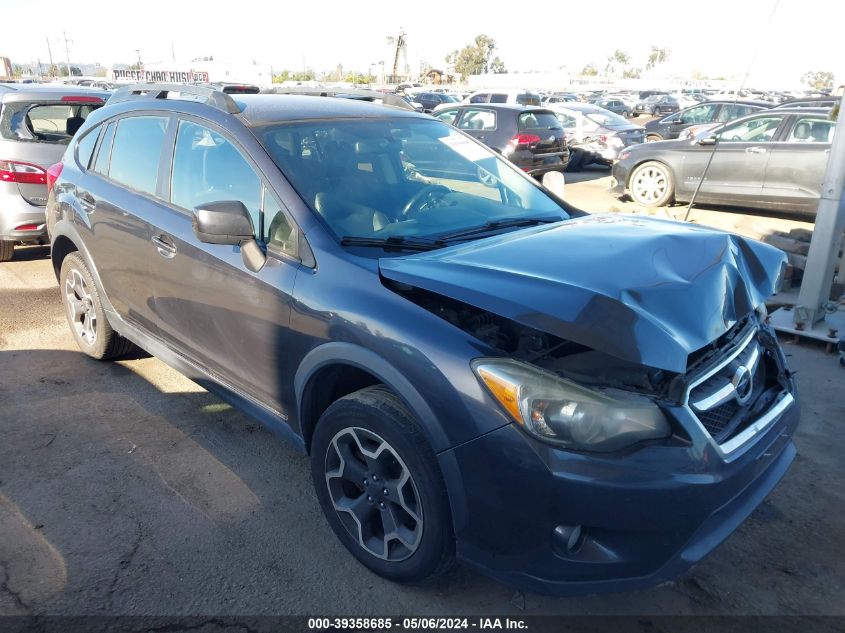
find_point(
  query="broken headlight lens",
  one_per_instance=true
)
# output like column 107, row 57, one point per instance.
column 569, row 415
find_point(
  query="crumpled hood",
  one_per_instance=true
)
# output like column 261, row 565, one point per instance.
column 644, row 290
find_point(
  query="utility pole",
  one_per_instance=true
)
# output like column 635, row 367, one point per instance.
column 140, row 65
column 173, row 52
column 49, row 52
column 67, row 52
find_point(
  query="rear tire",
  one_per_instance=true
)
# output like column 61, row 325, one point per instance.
column 7, row 250
column 84, row 310
column 653, row 138
column 366, row 443
column 626, row 114
column 652, row 185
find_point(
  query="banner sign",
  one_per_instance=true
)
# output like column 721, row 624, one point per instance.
column 169, row 76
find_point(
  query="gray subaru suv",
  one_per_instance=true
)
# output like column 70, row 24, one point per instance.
column 36, row 125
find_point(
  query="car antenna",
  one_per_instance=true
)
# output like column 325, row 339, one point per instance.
column 736, row 98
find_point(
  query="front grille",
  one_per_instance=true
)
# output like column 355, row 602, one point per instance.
column 724, row 399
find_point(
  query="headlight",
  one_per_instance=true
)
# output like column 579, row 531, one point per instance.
column 567, row 414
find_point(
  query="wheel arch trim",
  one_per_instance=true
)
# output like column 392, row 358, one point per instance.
column 343, row 353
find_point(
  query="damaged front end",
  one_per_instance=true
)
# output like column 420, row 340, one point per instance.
column 597, row 365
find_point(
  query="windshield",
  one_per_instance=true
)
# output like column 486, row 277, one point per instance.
column 607, row 119
column 401, row 178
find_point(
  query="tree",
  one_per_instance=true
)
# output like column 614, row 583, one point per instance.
column 590, row 70
column 818, row 80
column 61, row 71
column 657, row 56
column 476, row 58
column 617, row 59
column 631, row 73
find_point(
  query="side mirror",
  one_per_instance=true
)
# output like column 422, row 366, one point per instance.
column 707, row 140
column 224, row 222
column 228, row 222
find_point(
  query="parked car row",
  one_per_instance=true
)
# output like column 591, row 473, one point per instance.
column 772, row 159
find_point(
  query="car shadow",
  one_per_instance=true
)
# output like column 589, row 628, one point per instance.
column 29, row 253
column 587, row 174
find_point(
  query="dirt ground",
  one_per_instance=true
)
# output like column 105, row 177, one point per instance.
column 127, row 489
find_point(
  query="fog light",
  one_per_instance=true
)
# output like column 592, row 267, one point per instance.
column 568, row 538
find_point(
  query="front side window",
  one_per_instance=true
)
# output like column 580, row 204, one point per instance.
column 759, row 130
column 811, row 130
column 209, row 168
column 447, row 116
column 136, row 150
column 403, row 177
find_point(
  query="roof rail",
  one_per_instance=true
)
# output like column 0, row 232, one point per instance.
column 363, row 94
column 208, row 95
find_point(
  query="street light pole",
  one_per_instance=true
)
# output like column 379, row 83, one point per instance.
column 67, row 52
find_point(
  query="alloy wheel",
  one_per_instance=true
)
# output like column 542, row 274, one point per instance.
column 374, row 494
column 80, row 306
column 649, row 185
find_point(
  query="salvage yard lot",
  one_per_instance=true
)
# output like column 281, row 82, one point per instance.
column 125, row 488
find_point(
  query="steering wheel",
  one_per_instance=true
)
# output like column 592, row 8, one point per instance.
column 736, row 137
column 423, row 197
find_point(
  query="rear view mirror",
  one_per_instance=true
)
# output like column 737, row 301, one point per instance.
column 224, row 222
column 708, row 140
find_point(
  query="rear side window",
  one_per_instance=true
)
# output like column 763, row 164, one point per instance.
column 477, row 120
column 480, row 98
column 136, row 150
column 811, row 130
column 85, row 147
column 538, row 120
column 498, row 98
column 101, row 162
column 528, row 99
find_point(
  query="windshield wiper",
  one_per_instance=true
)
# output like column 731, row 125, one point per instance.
column 494, row 225
column 395, row 242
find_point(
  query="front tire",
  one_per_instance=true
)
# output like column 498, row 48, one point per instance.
column 379, row 485
column 84, row 310
column 652, row 185
column 7, row 250
column 653, row 138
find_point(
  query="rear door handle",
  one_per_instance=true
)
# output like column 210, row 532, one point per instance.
column 755, row 150
column 86, row 201
column 166, row 247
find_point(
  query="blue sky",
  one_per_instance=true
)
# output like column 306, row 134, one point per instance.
column 715, row 37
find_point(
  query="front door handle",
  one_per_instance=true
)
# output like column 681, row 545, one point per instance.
column 755, row 150
column 165, row 246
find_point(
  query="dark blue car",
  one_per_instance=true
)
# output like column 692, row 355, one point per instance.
column 569, row 403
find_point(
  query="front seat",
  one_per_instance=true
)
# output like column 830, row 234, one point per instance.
column 346, row 217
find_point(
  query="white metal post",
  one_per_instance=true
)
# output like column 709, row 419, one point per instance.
column 827, row 235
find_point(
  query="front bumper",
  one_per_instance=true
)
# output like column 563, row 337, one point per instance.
column 645, row 517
